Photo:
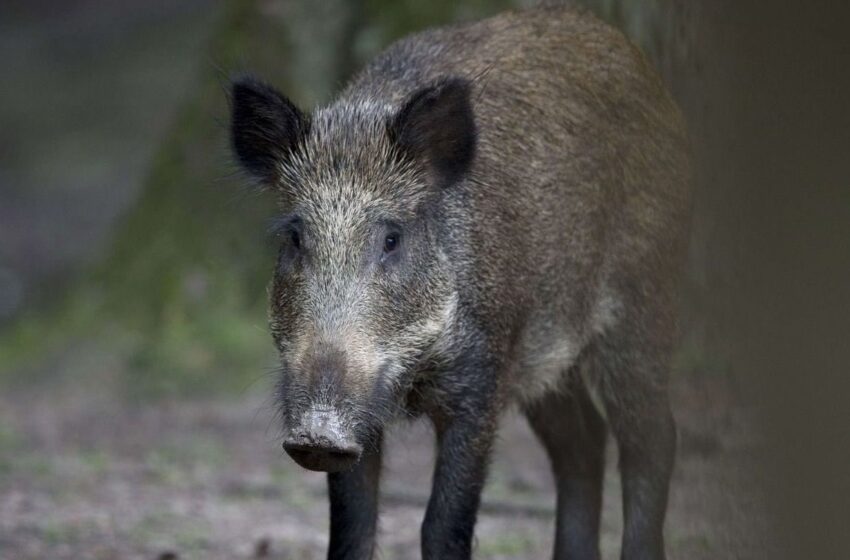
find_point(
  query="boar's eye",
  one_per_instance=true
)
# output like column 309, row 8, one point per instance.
column 287, row 230
column 391, row 242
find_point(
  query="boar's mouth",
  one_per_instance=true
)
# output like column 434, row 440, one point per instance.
column 324, row 459
column 320, row 443
column 326, row 431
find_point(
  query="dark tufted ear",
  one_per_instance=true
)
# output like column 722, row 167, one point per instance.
column 436, row 126
column 265, row 127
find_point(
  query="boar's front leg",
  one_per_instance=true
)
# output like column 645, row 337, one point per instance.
column 354, row 508
column 464, row 444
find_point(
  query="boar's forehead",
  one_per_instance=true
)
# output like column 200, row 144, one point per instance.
column 348, row 167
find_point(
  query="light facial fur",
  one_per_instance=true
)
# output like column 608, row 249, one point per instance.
column 347, row 185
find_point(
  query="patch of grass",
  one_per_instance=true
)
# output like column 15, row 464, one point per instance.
column 62, row 533
column 96, row 461
column 37, row 335
column 508, row 544
column 217, row 352
column 174, row 462
column 293, row 491
column 172, row 532
column 165, row 468
column 282, row 475
column 208, row 451
column 35, row 466
column 10, row 441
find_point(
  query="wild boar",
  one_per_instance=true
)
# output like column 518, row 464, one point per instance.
column 489, row 213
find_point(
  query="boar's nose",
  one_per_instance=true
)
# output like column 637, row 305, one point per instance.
column 321, row 444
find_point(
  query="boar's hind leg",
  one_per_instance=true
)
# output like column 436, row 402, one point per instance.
column 354, row 508
column 633, row 361
column 573, row 433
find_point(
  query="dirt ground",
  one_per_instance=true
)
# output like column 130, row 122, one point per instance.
column 86, row 476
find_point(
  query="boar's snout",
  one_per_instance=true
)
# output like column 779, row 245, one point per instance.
column 321, row 443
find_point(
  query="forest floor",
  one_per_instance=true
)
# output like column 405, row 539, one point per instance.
column 85, row 475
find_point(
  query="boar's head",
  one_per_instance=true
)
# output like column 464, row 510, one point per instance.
column 363, row 289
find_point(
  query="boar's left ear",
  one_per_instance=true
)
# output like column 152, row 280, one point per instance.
column 265, row 127
column 436, row 125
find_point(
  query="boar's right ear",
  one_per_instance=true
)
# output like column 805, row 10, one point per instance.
column 436, row 126
column 265, row 128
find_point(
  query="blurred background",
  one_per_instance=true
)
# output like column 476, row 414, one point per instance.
column 135, row 363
